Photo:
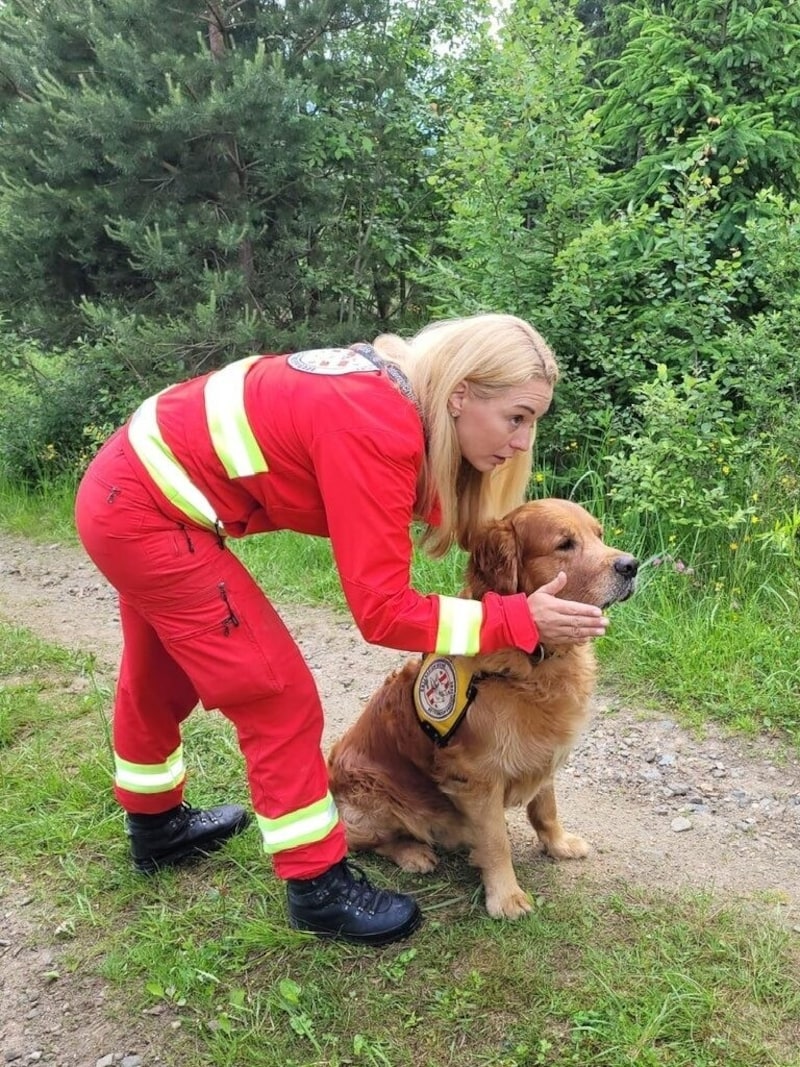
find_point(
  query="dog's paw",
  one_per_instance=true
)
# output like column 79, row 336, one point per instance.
column 567, row 847
column 511, row 905
column 412, row 856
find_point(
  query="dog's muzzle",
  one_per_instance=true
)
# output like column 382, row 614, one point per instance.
column 625, row 571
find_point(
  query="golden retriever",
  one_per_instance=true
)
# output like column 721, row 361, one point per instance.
column 401, row 793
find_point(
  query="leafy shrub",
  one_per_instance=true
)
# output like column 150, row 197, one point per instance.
column 56, row 409
column 643, row 288
column 688, row 466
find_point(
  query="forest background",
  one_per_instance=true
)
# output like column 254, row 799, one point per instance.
column 184, row 183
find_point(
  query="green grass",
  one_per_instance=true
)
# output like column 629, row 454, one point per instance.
column 618, row 978
column 44, row 512
column 712, row 644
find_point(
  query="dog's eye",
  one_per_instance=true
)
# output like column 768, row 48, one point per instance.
column 566, row 545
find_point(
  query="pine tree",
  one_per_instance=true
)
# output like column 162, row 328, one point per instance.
column 210, row 176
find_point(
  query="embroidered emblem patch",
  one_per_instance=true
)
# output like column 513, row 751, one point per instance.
column 437, row 689
column 330, row 361
column 443, row 692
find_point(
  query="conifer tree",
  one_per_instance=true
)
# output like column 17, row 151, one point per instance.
column 207, row 177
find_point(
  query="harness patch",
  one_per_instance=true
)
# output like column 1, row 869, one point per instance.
column 330, row 361
column 443, row 692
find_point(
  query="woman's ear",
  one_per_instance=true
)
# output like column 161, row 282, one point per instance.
column 455, row 401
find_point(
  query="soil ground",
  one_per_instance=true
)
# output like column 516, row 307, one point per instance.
column 662, row 808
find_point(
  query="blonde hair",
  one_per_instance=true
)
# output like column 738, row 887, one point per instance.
column 492, row 353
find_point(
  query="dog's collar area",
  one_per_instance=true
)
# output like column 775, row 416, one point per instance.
column 444, row 689
column 539, row 654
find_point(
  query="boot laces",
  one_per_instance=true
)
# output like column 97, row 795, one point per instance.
column 360, row 892
column 199, row 815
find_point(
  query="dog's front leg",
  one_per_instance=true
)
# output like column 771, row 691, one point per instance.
column 543, row 817
column 490, row 851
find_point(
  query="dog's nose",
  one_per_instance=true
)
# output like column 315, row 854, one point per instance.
column 627, row 566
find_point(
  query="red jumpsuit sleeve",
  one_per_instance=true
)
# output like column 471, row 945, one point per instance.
column 368, row 485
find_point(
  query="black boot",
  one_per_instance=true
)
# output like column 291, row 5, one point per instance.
column 181, row 834
column 339, row 905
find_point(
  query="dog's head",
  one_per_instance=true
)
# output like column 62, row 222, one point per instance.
column 527, row 549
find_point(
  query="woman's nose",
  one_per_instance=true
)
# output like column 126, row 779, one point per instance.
column 521, row 441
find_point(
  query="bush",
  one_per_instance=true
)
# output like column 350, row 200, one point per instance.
column 688, row 465
column 56, row 408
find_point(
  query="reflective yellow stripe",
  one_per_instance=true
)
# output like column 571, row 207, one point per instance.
column 233, row 439
column 150, row 777
column 459, row 632
column 165, row 470
column 299, row 827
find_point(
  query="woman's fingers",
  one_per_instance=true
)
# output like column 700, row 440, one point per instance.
column 564, row 621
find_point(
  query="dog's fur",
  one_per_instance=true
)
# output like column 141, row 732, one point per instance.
column 400, row 794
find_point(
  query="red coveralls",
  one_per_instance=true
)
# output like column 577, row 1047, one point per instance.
column 338, row 448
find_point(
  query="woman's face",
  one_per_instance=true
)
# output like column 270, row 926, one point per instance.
column 490, row 431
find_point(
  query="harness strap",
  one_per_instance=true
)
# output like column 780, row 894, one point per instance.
column 444, row 691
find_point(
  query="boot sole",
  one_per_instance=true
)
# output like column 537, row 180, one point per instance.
column 196, row 851
column 386, row 937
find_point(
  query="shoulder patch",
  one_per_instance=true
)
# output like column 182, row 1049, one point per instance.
column 330, row 361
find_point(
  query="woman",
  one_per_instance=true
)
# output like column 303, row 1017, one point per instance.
column 352, row 444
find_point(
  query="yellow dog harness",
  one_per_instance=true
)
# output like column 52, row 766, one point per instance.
column 444, row 689
column 443, row 692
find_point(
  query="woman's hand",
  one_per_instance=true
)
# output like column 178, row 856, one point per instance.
column 563, row 622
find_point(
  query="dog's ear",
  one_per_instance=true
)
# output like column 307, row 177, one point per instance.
column 492, row 564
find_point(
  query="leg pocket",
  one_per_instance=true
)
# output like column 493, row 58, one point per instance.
column 228, row 645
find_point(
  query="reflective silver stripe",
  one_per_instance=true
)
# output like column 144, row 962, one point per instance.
column 299, row 827
column 165, row 470
column 150, row 778
column 233, row 439
column 459, row 632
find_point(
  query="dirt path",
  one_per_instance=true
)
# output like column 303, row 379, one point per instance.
column 661, row 808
